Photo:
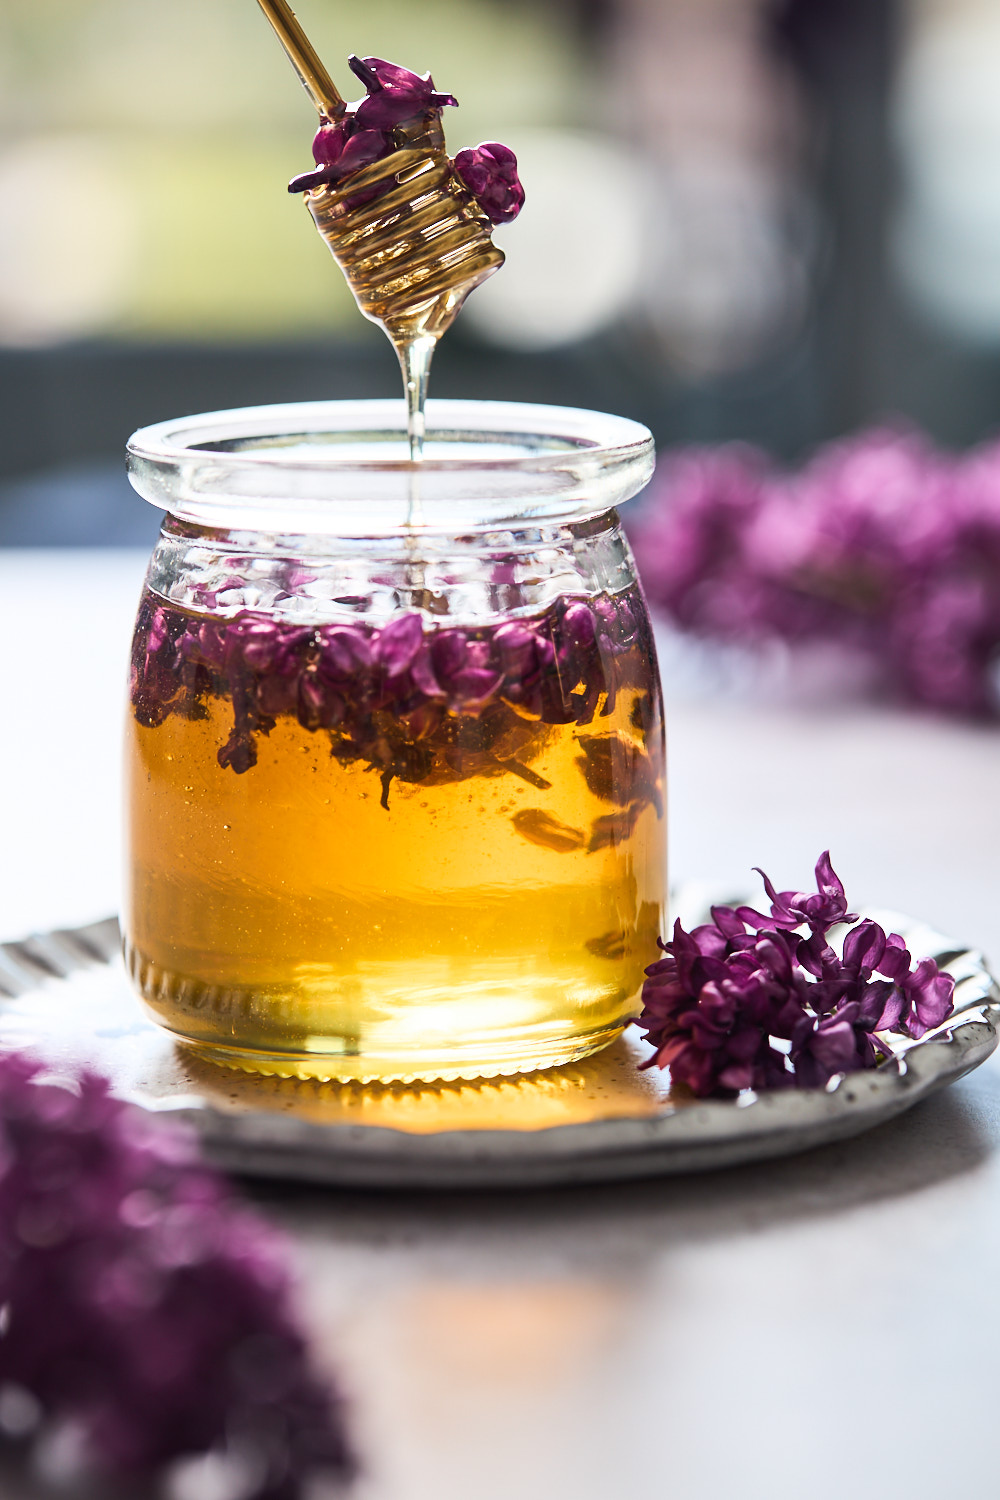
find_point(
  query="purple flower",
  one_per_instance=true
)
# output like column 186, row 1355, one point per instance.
column 405, row 696
column 329, row 142
column 142, row 1304
column 790, row 909
column 929, row 995
column 711, row 1007
column 397, row 644
column 344, row 153
column 364, row 133
column 463, row 670
column 527, row 662
column 489, row 171
column 825, row 1046
column 577, row 627
column 721, row 1005
column 345, row 651
column 880, row 544
column 394, row 93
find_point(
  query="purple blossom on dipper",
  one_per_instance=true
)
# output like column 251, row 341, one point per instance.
column 489, row 171
column 142, row 1306
column 394, row 93
column 340, row 150
column 363, row 134
column 723, row 996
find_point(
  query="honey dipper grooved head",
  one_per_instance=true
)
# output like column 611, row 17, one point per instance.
column 409, row 236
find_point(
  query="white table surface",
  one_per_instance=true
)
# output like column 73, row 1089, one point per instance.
column 820, row 1327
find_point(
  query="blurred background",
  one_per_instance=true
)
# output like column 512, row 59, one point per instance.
column 774, row 220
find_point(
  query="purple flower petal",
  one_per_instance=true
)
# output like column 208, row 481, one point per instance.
column 577, row 626
column 422, row 672
column 328, row 144
column 895, row 961
column 394, row 93
column 398, row 643
column 489, row 171
column 931, row 995
column 895, row 1008
column 864, row 945
column 827, row 1047
column 346, row 651
column 361, row 150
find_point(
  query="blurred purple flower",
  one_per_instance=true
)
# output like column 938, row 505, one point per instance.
column 880, row 543
column 489, row 171
column 723, row 996
column 142, row 1306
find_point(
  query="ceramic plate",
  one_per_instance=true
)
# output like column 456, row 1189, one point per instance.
column 65, row 994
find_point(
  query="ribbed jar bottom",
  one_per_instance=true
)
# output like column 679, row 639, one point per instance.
column 398, row 1042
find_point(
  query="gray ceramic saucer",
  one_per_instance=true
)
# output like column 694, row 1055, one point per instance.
column 65, row 995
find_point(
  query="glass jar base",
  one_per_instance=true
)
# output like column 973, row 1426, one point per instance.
column 367, row 1069
column 443, row 1036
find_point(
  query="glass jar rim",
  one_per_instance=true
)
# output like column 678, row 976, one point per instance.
column 343, row 467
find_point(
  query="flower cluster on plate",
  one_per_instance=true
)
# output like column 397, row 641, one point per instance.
column 755, row 1001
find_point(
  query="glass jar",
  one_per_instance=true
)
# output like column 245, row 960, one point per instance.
column 395, row 776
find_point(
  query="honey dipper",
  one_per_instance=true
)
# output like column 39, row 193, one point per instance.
column 411, row 237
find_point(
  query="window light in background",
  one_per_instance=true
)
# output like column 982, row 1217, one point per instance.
column 947, row 127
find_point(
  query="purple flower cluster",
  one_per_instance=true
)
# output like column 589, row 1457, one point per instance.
column 881, row 543
column 364, row 134
column 751, row 1001
column 141, row 1309
column 393, row 695
column 489, row 171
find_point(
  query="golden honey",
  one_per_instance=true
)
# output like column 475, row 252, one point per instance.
column 449, row 887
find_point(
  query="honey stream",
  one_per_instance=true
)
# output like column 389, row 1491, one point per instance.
column 413, row 243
